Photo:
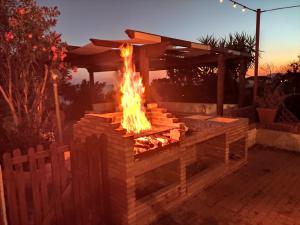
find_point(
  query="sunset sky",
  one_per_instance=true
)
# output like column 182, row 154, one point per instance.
column 81, row 20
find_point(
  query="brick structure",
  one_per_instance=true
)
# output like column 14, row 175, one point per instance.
column 142, row 187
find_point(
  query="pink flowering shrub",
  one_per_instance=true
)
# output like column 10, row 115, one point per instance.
column 29, row 50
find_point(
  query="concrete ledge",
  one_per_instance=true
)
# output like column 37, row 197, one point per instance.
column 251, row 138
column 104, row 107
column 194, row 108
column 275, row 138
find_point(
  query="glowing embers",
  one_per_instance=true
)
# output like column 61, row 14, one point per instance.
column 134, row 119
column 157, row 141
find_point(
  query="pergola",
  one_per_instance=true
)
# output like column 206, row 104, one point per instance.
column 155, row 52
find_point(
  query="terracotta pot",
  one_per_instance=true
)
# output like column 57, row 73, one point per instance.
column 266, row 115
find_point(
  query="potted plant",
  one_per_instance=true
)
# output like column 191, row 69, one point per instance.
column 268, row 103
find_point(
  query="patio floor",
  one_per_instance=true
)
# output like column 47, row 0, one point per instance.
column 265, row 192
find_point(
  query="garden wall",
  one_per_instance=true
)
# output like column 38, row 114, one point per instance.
column 251, row 139
column 274, row 138
column 194, row 108
column 279, row 139
column 105, row 107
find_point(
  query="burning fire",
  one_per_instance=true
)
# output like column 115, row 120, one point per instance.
column 134, row 119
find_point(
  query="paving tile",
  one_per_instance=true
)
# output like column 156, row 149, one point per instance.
column 265, row 192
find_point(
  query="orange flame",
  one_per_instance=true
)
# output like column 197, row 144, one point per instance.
column 134, row 119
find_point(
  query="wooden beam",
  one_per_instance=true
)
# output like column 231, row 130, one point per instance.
column 172, row 62
column 106, row 43
column 151, row 38
column 92, row 87
column 242, row 74
column 155, row 50
column 220, row 84
column 158, row 38
column 144, row 70
column 179, row 42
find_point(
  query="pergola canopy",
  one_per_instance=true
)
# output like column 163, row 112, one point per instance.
column 163, row 52
column 155, row 52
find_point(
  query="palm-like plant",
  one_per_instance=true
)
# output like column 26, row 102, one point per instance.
column 237, row 41
column 189, row 76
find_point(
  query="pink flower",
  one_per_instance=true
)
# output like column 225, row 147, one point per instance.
column 54, row 57
column 62, row 56
column 53, row 48
column 30, row 35
column 21, row 11
column 69, row 77
column 8, row 36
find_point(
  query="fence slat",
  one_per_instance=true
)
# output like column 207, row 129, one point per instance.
column 43, row 180
column 11, row 190
column 84, row 184
column 63, row 181
column 21, row 189
column 56, row 184
column 62, row 169
column 36, row 195
column 105, row 180
column 93, row 179
column 3, row 214
column 76, row 181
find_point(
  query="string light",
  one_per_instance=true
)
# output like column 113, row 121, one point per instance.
column 244, row 7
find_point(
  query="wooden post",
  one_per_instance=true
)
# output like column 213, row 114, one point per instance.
column 220, row 84
column 92, row 87
column 57, row 107
column 3, row 218
column 144, row 71
column 255, row 86
column 242, row 74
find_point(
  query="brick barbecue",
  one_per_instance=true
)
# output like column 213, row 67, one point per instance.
column 151, row 172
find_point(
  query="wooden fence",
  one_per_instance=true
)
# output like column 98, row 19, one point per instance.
column 59, row 185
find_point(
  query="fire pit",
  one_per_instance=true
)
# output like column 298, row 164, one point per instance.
column 154, row 161
column 150, row 172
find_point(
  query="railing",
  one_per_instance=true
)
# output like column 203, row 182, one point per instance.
column 36, row 184
column 59, row 185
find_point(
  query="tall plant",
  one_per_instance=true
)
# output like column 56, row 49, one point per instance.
column 192, row 77
column 29, row 50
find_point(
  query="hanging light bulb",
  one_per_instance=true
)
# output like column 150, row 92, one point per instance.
column 244, row 9
column 234, row 5
column 221, row 1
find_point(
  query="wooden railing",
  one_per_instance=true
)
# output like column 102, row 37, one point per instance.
column 35, row 184
column 59, row 185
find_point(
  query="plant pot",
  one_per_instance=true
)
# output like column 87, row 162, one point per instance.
column 266, row 115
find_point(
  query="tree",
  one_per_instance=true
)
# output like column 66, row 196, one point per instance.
column 29, row 50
